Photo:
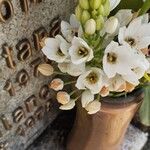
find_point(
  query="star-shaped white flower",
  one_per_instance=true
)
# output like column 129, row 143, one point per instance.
column 137, row 34
column 69, row 30
column 92, row 80
column 72, row 69
column 122, row 60
column 56, row 49
column 114, row 4
column 80, row 52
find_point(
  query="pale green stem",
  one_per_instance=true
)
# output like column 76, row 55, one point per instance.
column 71, row 82
column 73, row 92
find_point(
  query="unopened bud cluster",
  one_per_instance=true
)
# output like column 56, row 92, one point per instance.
column 91, row 14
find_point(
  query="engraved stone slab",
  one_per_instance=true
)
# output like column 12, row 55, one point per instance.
column 26, row 104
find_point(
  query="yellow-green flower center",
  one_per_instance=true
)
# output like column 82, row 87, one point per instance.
column 131, row 41
column 92, row 78
column 111, row 58
column 60, row 53
column 82, row 51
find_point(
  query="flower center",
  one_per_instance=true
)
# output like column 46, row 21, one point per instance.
column 59, row 52
column 92, row 78
column 111, row 58
column 82, row 51
column 130, row 41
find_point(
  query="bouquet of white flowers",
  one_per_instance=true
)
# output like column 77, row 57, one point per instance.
column 108, row 55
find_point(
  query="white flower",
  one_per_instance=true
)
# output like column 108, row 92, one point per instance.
column 122, row 59
column 68, row 106
column 114, row 4
column 86, row 98
column 93, row 107
column 56, row 49
column 148, row 71
column 137, row 34
column 124, row 16
column 57, row 84
column 63, row 97
column 104, row 91
column 93, row 80
column 117, row 84
column 72, row 69
column 70, row 30
column 80, row 52
column 111, row 25
column 90, row 27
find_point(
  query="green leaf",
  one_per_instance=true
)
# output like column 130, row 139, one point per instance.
column 144, row 112
column 145, row 7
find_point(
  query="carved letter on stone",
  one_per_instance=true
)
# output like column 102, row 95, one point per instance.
column 22, row 77
column 7, row 54
column 25, row 50
column 6, row 10
column 30, row 103
column 9, row 87
column 48, row 106
column 44, row 92
column 55, row 27
column 6, row 123
column 39, row 113
column 38, row 35
column 20, row 131
column 18, row 115
column 30, row 122
column 35, row 64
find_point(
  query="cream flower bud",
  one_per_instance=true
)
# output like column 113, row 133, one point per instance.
column 68, row 106
column 84, row 4
column 111, row 25
column 63, row 97
column 90, row 27
column 99, row 22
column 46, row 69
column 56, row 84
column 93, row 107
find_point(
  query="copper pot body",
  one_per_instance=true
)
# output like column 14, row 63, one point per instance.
column 104, row 130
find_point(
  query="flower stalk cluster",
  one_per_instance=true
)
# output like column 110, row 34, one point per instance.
column 105, row 57
column 91, row 14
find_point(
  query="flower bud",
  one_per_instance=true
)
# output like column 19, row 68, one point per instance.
column 101, row 10
column 78, row 12
column 99, row 22
column 46, row 69
column 63, row 97
column 107, row 8
column 90, row 27
column 95, row 4
column 111, row 25
column 56, row 84
column 94, row 14
column 85, row 16
column 84, row 4
column 93, row 107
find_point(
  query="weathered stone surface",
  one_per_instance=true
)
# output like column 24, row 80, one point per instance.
column 14, row 134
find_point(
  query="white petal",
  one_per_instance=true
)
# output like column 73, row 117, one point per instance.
column 93, row 107
column 143, row 43
column 114, row 4
column 52, row 43
column 80, row 85
column 68, row 106
column 121, row 36
column 124, row 16
column 86, row 98
column 76, row 70
column 74, row 22
column 63, row 67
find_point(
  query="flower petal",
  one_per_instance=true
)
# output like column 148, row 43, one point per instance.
column 86, row 98
column 68, row 106
column 114, row 4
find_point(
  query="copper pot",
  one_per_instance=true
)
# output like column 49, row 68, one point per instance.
column 104, row 130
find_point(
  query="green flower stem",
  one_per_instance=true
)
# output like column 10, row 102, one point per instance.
column 73, row 92
column 71, row 82
column 145, row 7
column 77, row 98
column 60, row 73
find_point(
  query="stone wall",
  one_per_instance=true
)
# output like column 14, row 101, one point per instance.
column 26, row 105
